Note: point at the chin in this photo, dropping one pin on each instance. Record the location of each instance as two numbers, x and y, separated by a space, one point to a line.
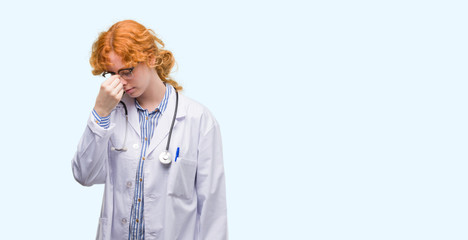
134 94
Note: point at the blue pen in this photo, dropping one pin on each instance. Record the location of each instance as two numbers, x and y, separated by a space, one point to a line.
176 154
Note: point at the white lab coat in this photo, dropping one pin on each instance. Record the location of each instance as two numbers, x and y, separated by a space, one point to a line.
183 200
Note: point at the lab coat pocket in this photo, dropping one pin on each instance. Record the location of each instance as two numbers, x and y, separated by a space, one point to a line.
181 180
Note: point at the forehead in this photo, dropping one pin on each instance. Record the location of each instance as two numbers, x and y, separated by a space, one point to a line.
116 61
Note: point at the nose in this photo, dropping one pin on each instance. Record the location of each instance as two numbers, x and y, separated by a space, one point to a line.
123 81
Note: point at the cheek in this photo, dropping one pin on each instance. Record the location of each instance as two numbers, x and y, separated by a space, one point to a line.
144 81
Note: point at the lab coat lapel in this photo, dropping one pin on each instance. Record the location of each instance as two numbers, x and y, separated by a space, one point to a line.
133 117
164 123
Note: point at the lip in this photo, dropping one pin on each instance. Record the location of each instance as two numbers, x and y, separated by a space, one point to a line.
130 90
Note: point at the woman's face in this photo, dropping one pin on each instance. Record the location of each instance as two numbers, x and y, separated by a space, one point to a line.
137 85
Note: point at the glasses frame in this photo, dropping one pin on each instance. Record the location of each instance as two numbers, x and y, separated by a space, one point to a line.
123 69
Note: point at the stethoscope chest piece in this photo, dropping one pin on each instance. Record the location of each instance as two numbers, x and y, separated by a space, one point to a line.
165 157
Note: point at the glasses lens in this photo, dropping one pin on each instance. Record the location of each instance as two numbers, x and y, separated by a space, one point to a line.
106 74
127 74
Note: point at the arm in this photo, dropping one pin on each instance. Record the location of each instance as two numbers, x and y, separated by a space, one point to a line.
211 187
90 160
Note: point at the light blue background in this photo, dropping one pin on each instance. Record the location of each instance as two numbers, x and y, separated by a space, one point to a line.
340 119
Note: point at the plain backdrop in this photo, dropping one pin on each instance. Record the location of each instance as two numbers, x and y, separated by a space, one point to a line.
340 119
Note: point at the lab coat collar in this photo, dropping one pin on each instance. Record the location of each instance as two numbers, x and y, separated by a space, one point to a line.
132 113
164 122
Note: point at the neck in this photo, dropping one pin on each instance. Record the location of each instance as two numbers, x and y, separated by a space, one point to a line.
153 95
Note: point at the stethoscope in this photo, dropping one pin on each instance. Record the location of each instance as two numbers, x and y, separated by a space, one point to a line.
165 156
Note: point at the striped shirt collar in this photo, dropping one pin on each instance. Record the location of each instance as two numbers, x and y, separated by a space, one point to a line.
162 105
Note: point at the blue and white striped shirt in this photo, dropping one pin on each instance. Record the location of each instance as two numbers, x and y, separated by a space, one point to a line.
148 123
101 121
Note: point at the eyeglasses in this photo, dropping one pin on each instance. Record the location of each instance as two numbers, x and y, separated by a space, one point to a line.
126 73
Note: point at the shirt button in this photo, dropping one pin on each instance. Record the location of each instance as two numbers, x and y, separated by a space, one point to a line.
143 158
97 121
141 179
124 220
139 200
129 184
146 139
146 118
137 220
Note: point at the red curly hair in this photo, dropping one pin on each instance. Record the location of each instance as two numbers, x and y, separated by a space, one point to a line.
133 43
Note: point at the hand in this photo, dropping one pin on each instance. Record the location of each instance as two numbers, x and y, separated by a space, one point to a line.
109 96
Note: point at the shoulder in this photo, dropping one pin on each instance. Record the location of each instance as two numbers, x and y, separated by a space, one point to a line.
196 111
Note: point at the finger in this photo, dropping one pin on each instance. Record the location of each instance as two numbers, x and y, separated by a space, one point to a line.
110 80
120 94
115 82
117 89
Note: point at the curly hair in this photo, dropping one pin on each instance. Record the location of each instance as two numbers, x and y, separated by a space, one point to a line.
133 43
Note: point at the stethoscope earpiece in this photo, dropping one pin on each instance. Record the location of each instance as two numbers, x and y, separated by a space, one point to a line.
123 149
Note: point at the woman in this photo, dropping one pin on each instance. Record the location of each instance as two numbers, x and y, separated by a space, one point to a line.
150 194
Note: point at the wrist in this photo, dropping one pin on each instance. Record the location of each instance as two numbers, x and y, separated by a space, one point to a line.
102 113
101 121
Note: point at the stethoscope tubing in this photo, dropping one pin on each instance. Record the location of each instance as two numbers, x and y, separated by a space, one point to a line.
164 157
173 120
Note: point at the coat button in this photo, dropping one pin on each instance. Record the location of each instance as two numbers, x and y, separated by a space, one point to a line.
129 184
124 220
